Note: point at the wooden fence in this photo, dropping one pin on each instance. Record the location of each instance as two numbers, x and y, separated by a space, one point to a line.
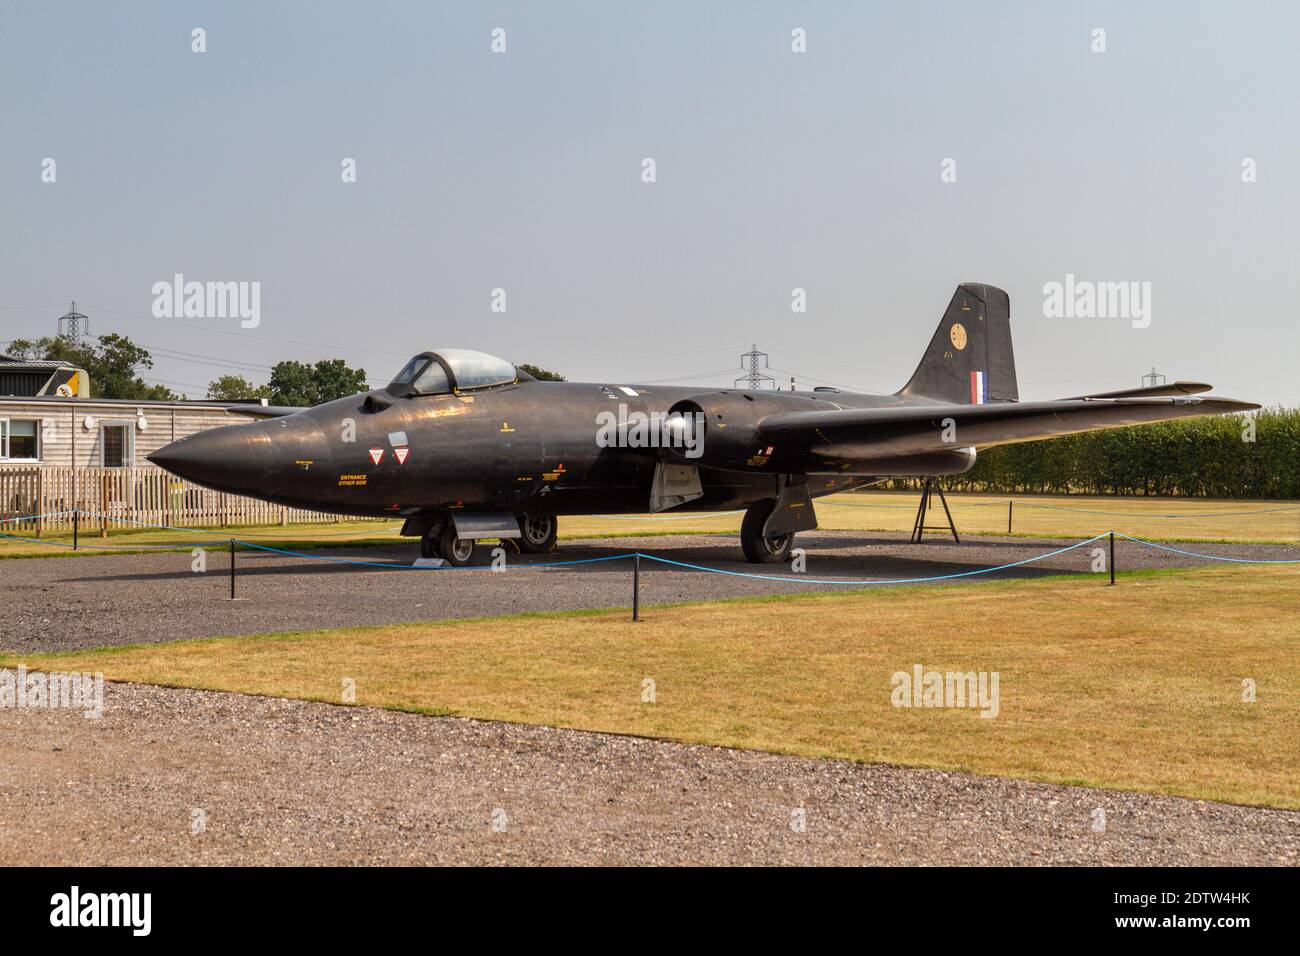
127 497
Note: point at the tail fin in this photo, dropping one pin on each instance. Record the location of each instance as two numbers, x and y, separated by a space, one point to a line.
969 361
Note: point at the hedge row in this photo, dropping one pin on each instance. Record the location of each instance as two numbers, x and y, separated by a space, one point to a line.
1204 457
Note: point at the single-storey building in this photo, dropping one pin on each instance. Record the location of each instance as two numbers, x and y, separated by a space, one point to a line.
62 451
102 432
58 455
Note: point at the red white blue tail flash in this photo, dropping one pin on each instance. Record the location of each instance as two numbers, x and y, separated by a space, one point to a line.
979 388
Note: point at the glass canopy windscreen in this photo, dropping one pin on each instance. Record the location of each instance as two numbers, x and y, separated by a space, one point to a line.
409 371
477 369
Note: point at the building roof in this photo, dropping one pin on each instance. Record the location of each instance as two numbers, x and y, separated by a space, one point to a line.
252 407
34 363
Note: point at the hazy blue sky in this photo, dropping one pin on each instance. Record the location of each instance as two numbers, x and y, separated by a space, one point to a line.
775 170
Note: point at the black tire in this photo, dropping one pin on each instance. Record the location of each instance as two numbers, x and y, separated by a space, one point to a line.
457 552
760 550
429 545
537 534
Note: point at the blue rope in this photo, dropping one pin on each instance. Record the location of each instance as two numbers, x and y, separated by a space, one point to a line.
414 567
1138 514
52 514
1208 557
177 546
681 517
168 527
787 579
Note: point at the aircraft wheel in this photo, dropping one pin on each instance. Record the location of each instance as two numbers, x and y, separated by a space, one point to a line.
758 549
537 534
455 551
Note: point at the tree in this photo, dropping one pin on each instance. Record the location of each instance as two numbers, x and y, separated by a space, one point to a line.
541 374
234 388
113 364
296 383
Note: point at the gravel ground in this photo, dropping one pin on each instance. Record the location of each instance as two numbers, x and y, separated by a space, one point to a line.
286 782
64 603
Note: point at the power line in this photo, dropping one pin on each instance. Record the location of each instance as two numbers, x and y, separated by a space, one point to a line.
171 323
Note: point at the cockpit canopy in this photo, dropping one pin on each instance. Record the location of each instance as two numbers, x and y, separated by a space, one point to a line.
446 370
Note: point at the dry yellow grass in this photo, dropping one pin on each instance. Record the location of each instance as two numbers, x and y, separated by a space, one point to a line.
1138 686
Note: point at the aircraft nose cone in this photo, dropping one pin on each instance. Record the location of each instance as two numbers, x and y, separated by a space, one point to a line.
232 458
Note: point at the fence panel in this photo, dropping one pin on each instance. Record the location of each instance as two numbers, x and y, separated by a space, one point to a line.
126 497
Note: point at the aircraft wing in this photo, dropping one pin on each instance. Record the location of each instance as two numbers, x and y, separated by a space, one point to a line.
863 434
258 411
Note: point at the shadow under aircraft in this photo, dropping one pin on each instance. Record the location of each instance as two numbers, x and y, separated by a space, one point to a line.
465 446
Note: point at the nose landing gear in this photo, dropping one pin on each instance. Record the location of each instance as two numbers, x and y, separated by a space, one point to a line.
443 543
536 534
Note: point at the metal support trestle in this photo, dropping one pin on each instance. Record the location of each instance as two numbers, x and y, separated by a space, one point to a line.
919 528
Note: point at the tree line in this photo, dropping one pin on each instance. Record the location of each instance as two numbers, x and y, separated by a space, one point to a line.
115 365
1220 456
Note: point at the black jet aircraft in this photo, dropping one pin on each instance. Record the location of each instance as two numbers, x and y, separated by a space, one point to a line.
465 446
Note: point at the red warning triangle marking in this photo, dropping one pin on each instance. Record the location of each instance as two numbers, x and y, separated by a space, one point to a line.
401 452
376 454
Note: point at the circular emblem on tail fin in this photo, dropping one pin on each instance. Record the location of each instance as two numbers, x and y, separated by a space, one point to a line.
958 336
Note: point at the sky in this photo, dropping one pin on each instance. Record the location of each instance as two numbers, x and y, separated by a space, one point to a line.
825 170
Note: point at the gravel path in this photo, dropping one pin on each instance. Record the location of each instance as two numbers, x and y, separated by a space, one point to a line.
67 603
284 782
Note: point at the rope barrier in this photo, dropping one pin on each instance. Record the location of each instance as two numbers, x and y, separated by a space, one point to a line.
681 517
637 555
168 527
391 566
786 579
1207 557
52 514
1138 514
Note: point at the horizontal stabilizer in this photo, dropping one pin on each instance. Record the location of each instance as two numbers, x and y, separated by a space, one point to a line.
1172 389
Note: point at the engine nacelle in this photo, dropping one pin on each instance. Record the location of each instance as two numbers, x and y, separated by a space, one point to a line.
724 426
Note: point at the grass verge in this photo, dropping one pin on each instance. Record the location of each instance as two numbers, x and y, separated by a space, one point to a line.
1139 686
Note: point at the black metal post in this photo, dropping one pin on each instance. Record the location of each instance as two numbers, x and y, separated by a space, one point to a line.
918 526
76 526
232 569
948 514
1009 504
636 586
1112 557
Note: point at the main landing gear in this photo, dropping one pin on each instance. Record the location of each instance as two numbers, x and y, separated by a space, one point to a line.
759 549
537 534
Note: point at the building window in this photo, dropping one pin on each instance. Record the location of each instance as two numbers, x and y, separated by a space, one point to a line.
19 439
115 446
